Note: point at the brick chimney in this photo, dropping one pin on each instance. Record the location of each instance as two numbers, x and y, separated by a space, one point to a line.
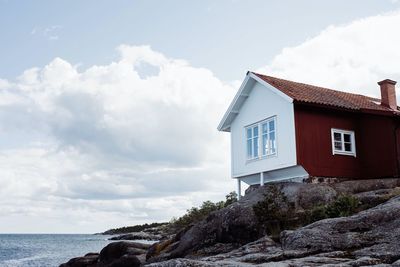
388 94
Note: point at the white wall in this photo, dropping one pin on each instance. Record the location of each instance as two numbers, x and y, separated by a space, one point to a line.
261 104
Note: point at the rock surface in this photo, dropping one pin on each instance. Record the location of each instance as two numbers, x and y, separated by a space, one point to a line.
373 232
358 186
311 261
117 254
89 259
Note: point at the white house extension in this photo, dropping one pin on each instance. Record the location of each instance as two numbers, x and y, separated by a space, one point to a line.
261 122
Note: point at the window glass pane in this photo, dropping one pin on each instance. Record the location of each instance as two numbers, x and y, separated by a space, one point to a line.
343 141
248 133
347 147
261 142
265 144
273 147
347 137
272 143
338 145
272 125
337 136
249 149
255 131
255 147
265 128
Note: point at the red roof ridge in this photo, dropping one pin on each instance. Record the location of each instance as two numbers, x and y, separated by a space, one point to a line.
316 86
307 93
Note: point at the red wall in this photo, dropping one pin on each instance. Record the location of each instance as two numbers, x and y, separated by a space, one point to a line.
375 143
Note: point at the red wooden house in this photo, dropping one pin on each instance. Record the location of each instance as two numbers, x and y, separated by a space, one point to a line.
282 130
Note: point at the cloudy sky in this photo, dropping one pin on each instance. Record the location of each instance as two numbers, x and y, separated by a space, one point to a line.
109 109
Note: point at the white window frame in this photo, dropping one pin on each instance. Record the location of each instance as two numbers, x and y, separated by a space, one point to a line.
251 139
260 139
352 142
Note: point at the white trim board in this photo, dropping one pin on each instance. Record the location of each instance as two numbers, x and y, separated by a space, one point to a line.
241 96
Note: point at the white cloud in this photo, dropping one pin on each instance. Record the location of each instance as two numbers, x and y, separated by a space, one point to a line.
110 145
50 33
350 57
105 146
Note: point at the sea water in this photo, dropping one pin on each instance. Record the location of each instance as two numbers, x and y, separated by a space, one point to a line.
45 250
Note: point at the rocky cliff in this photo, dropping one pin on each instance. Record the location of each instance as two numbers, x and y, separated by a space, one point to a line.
369 238
234 236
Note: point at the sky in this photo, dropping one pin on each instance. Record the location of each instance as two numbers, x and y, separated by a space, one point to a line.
109 109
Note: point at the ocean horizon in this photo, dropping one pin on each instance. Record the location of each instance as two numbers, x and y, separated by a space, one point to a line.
47 250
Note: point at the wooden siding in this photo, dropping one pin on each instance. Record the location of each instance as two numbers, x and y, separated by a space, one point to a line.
255 110
376 144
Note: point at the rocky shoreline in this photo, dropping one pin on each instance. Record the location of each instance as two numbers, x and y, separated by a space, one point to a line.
116 254
233 236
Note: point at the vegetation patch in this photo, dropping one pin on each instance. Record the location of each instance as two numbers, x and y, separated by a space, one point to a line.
344 205
197 214
275 213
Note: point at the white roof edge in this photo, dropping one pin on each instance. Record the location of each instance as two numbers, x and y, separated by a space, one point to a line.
230 108
226 128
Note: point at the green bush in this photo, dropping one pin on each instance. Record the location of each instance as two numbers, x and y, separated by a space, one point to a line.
274 206
274 213
343 206
317 213
195 214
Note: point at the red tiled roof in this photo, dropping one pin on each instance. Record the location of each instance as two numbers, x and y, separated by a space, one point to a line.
306 93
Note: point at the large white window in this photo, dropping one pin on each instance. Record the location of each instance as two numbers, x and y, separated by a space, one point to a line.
261 139
343 142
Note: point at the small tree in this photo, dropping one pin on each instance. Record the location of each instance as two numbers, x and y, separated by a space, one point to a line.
274 212
232 197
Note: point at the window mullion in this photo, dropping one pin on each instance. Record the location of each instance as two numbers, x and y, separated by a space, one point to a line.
253 143
342 141
345 139
268 143
260 140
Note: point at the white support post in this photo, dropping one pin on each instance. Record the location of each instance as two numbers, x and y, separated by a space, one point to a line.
239 189
261 178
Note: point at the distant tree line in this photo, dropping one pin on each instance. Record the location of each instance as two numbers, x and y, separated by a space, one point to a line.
133 229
